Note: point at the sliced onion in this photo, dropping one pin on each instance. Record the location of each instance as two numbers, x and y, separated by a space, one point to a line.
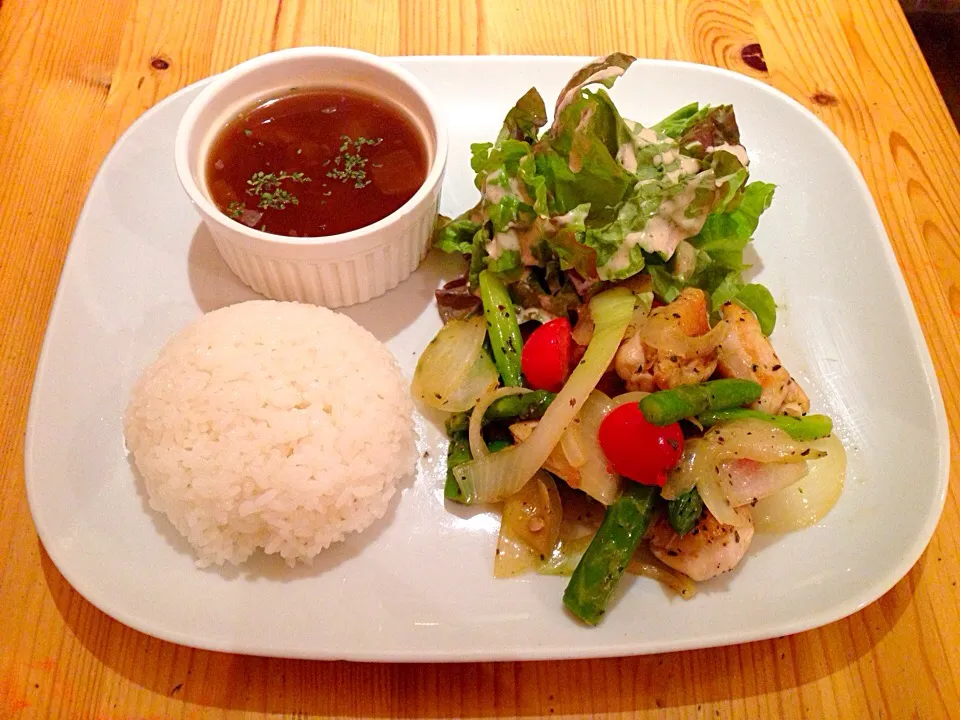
453 359
556 461
662 332
702 462
745 481
479 380
596 479
629 397
572 445
566 556
529 526
475 431
682 479
809 500
708 485
513 557
646 564
582 516
497 476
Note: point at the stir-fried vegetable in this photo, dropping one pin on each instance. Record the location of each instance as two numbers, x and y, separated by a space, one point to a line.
496 477
477 446
645 563
638 449
502 327
669 406
454 370
597 479
703 463
603 564
808 427
529 527
684 511
546 356
529 406
458 453
812 497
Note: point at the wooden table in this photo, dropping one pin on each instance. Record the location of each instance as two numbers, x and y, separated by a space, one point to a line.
75 74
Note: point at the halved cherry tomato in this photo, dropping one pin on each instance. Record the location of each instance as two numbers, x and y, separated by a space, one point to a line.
638 449
545 359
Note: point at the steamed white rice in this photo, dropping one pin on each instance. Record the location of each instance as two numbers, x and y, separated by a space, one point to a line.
273 425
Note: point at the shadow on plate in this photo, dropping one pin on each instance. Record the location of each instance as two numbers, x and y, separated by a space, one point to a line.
215 286
754 263
261 566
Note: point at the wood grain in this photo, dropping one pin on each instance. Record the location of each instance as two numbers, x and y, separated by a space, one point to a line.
74 75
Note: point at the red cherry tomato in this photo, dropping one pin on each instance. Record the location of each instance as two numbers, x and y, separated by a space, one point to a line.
545 359
638 449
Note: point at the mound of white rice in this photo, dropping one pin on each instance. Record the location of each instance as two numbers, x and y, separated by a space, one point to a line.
274 425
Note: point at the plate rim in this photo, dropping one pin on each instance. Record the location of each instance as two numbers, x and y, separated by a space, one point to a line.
838 611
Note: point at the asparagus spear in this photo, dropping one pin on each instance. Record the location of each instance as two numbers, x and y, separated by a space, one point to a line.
502 327
808 427
668 406
596 577
684 511
529 406
458 452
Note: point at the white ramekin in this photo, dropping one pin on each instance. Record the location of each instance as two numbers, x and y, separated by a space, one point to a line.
339 269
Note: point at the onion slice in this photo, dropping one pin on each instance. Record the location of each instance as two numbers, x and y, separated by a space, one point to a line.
596 479
454 371
475 430
529 527
811 498
662 332
497 476
702 462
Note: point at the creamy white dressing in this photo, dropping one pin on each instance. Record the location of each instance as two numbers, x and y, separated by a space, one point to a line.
667 156
627 156
607 72
495 190
673 177
689 165
662 232
738 151
501 242
647 136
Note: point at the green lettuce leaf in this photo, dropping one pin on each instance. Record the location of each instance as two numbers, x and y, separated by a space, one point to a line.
603 70
710 127
759 301
504 212
578 156
524 120
505 263
478 256
455 236
677 122
719 246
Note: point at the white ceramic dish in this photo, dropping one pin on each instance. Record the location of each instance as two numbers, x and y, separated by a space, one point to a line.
340 269
418 586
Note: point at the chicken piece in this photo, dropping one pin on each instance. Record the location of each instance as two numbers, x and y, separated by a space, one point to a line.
747 354
630 362
645 368
708 550
749 480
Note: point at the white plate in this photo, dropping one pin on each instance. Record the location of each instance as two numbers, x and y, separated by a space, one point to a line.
418 586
